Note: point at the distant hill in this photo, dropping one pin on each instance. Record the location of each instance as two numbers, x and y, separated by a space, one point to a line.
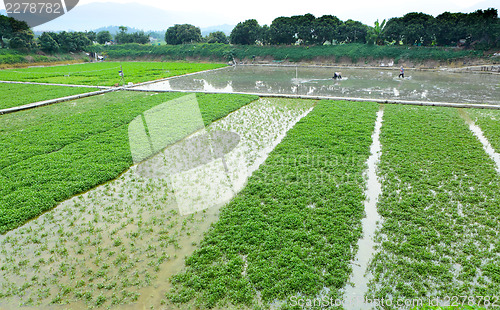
224 28
115 29
134 15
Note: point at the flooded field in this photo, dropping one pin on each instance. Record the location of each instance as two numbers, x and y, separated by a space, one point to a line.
118 244
355 83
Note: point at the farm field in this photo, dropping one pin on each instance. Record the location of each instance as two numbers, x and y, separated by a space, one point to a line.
295 226
118 244
104 73
439 208
52 153
277 216
14 95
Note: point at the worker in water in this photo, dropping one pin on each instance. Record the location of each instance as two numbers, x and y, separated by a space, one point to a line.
337 75
402 72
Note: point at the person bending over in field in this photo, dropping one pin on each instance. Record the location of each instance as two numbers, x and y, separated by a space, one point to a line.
337 76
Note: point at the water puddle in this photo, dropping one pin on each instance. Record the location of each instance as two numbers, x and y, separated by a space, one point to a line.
476 130
118 244
368 83
354 295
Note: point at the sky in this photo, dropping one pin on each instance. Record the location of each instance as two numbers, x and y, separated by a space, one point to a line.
265 11
204 13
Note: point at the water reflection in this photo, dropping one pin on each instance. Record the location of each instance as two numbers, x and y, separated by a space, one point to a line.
356 83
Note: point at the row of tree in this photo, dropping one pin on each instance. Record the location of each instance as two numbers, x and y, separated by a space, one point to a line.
480 28
18 33
477 28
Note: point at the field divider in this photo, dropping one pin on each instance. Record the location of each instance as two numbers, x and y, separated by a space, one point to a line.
105 89
478 132
173 77
52 84
58 100
291 96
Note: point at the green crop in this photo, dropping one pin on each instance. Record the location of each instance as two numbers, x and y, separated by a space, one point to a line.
439 208
489 121
104 73
14 95
295 226
48 157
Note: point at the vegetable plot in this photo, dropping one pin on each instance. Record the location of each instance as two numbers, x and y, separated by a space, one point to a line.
294 227
45 162
119 243
14 95
439 206
104 73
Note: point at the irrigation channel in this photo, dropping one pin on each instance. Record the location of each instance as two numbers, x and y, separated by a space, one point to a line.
476 130
356 83
117 235
360 277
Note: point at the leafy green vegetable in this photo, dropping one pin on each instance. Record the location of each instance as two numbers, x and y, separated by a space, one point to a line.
439 207
295 226
104 73
14 95
46 159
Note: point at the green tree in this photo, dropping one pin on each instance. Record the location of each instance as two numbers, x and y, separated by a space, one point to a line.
123 37
352 31
246 33
376 33
23 39
104 36
181 34
11 28
71 41
326 28
140 37
304 28
282 31
47 43
217 37
91 35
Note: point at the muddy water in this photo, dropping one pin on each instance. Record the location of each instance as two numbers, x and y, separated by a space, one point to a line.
356 83
354 294
476 130
118 244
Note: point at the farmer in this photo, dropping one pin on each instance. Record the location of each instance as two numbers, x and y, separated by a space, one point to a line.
337 75
402 72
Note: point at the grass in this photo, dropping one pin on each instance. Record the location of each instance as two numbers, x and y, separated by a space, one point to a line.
439 208
48 157
294 227
104 73
224 52
14 95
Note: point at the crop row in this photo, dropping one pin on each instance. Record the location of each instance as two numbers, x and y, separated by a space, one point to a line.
45 162
120 242
14 95
294 227
104 73
439 207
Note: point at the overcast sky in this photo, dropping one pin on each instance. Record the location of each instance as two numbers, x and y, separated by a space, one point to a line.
265 11
366 11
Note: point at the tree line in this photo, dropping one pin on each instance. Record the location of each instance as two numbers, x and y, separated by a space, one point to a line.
479 29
